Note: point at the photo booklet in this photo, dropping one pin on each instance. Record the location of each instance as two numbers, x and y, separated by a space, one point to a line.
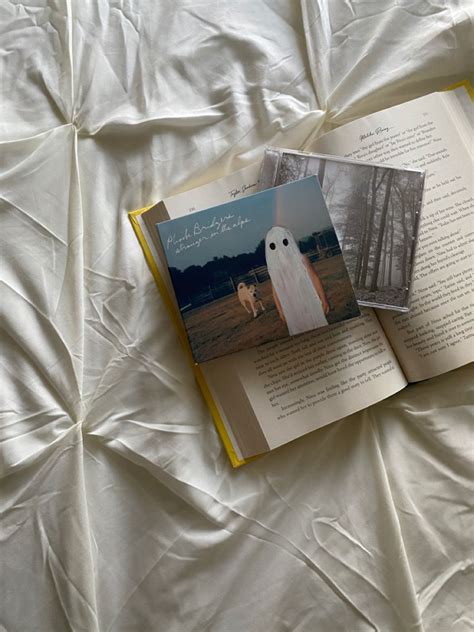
257 269
268 395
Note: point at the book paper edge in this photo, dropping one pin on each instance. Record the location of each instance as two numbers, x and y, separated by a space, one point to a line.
465 83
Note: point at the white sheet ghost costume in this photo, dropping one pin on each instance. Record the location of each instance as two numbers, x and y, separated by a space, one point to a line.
299 300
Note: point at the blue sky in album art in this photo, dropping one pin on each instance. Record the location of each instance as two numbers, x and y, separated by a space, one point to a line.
299 206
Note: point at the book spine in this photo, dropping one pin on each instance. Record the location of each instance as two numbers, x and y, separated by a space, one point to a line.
219 423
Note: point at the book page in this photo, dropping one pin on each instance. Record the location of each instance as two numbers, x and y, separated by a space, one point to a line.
431 133
299 384
236 185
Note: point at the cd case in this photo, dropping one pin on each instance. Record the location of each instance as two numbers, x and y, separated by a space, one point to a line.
375 210
254 270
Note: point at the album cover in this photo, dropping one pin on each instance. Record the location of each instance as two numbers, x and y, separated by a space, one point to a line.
257 269
376 213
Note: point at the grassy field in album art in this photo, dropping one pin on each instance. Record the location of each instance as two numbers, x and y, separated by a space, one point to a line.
223 326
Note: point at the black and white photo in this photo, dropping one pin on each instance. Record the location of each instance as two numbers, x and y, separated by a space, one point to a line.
375 211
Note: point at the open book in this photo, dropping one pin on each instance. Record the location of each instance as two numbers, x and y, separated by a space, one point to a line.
267 396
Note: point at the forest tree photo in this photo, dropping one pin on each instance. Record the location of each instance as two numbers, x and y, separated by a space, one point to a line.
375 211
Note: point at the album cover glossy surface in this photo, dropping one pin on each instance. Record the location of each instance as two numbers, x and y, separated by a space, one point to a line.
376 213
257 269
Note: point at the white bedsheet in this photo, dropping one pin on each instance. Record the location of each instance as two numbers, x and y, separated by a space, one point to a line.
119 509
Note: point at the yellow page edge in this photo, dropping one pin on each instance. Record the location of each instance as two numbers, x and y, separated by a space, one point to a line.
465 83
219 423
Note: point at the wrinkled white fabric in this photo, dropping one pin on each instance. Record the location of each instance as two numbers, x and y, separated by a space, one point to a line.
119 510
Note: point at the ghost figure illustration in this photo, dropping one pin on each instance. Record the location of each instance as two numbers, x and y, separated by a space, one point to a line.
299 296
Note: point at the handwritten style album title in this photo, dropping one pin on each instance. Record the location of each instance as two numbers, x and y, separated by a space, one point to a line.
201 232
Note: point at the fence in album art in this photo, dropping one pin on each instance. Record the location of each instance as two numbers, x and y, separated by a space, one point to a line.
326 246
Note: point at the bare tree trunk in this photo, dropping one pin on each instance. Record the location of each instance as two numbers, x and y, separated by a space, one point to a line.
362 240
370 227
306 167
383 218
384 259
403 266
321 171
405 242
358 266
409 257
368 233
390 263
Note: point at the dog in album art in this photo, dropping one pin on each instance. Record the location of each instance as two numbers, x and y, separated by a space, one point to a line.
297 290
248 295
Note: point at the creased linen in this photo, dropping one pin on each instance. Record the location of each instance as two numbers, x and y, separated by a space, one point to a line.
119 510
